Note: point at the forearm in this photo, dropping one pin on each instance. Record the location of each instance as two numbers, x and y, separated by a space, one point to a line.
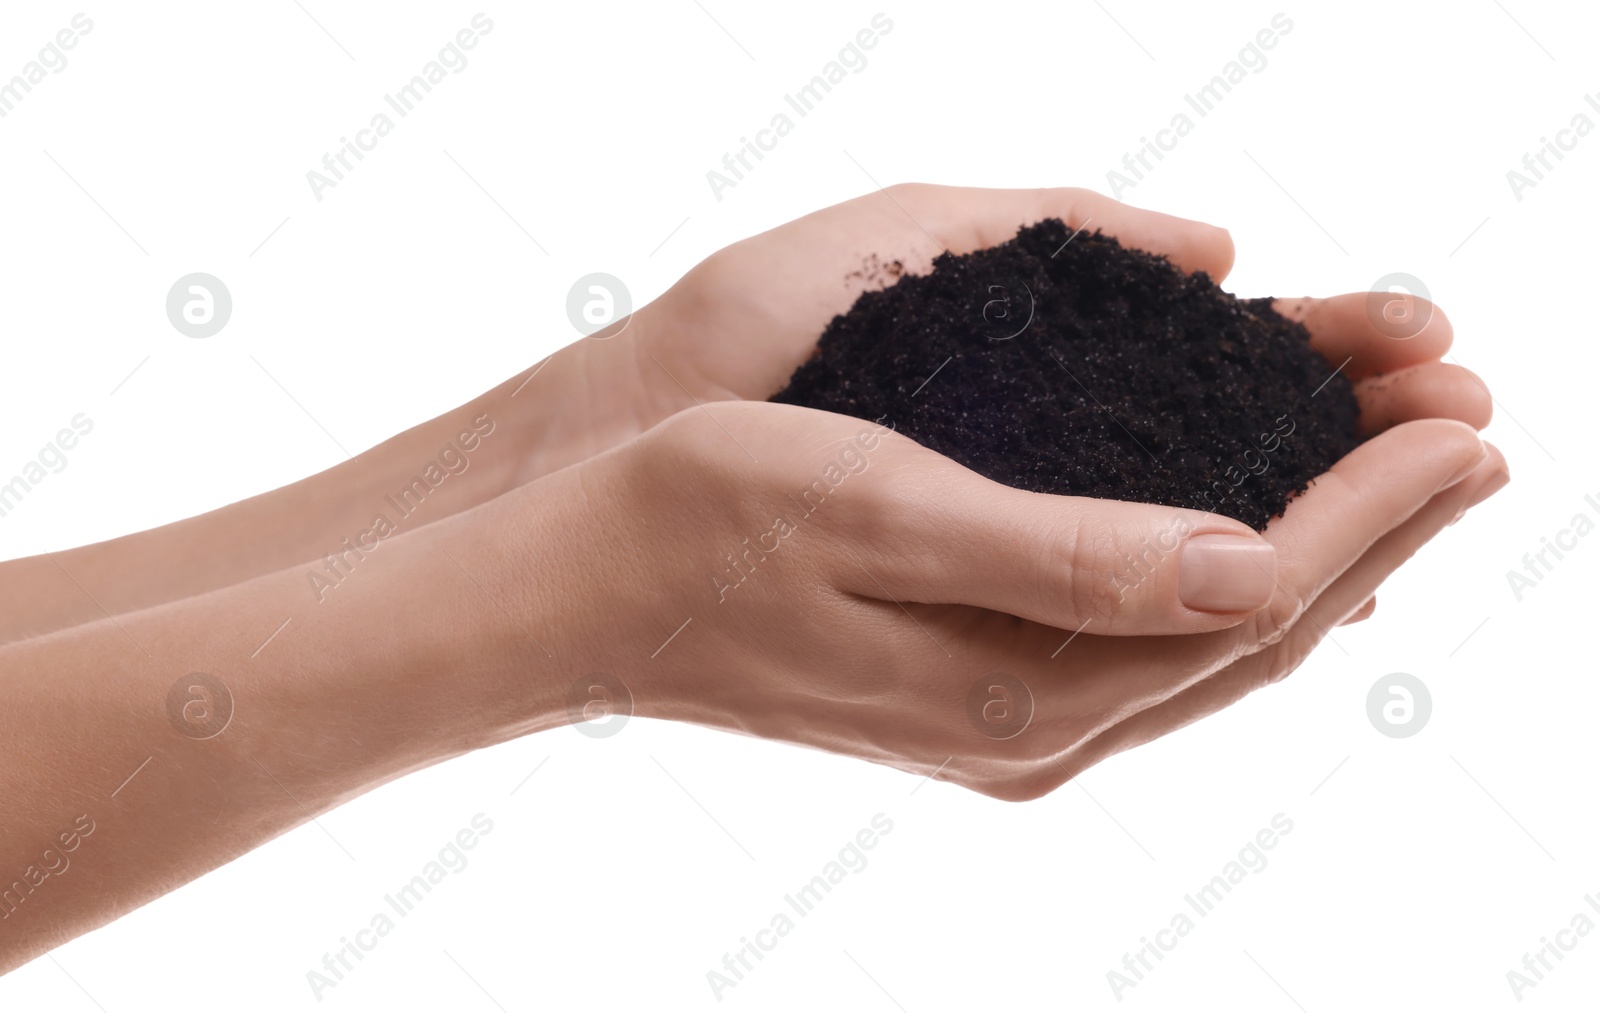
444 641
534 423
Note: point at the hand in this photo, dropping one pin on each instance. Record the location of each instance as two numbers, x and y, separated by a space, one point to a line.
739 323
839 586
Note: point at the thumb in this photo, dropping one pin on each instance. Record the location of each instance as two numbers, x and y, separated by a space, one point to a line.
1100 566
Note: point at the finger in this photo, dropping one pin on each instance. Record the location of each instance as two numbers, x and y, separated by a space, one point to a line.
1363 613
1439 390
1368 493
972 218
1341 603
950 536
1489 486
1343 596
1359 330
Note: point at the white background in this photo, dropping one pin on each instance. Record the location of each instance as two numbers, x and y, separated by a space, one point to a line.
1417 874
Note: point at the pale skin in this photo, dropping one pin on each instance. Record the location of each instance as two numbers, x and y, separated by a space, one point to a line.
598 518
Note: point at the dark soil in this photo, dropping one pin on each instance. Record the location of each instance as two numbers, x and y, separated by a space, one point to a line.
1068 364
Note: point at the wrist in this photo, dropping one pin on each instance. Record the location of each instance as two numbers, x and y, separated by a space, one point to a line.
582 576
581 400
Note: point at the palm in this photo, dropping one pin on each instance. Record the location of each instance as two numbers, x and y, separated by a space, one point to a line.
741 321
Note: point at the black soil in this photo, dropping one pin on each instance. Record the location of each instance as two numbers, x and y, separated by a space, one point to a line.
1067 364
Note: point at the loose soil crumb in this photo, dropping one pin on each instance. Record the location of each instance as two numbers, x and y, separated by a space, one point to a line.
875 272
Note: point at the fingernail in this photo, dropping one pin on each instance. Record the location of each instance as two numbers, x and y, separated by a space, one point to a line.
1227 573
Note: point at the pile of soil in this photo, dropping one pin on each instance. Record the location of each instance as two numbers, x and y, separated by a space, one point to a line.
1064 363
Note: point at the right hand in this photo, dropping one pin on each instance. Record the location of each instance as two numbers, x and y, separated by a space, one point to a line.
860 619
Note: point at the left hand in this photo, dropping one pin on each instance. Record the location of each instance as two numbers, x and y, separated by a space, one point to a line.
741 321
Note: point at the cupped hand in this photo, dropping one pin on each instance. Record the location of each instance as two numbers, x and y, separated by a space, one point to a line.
876 623
807 577
740 322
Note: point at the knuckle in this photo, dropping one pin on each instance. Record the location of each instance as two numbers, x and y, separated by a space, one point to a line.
1274 622
1089 560
875 506
884 508
1288 653
1079 201
910 196
684 457
675 444
902 189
